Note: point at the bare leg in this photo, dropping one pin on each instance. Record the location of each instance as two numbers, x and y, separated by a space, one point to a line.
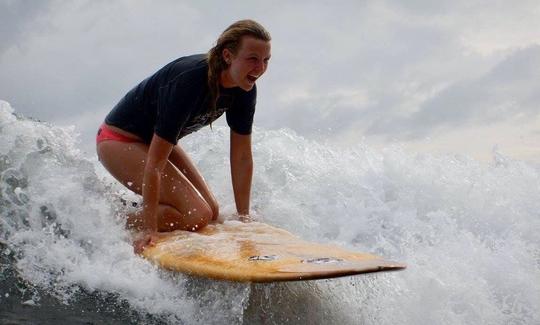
181 205
184 163
168 220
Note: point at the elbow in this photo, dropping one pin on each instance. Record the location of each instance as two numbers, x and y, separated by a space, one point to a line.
154 166
152 173
152 169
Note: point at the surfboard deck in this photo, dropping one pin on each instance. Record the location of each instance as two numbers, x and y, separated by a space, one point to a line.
257 252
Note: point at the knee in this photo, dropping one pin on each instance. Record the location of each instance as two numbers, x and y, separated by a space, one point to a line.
200 219
207 215
195 219
215 210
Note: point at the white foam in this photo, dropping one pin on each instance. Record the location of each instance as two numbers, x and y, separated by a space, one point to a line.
467 231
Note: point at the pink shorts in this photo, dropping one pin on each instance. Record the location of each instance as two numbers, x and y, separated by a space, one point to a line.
105 133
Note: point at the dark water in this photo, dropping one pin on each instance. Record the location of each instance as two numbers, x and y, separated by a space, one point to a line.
22 303
280 303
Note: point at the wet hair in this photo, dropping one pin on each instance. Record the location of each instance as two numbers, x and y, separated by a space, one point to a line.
230 39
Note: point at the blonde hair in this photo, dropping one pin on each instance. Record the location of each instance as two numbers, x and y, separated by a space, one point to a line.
230 39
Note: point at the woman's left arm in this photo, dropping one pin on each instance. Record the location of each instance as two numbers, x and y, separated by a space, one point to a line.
241 170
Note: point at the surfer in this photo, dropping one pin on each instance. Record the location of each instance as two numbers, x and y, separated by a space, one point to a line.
137 143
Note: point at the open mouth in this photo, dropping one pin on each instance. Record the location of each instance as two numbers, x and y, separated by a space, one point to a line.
251 78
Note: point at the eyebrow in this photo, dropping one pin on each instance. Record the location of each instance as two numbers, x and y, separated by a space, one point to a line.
253 53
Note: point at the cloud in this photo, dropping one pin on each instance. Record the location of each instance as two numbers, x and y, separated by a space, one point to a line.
88 54
370 68
510 91
17 17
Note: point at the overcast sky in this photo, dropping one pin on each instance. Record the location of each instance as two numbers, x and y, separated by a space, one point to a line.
442 76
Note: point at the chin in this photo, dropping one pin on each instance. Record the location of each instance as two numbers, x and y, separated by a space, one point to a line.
247 87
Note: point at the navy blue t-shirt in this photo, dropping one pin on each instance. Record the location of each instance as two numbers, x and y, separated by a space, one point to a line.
175 102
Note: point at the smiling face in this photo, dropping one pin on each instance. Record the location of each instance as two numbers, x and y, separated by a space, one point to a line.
246 66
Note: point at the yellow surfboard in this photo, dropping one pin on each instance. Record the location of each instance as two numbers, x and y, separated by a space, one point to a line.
257 252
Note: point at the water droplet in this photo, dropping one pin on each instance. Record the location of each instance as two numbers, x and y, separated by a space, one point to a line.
29 302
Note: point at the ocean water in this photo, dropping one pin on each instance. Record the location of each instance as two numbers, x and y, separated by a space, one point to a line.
467 230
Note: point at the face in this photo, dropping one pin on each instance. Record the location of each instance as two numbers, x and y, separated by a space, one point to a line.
247 65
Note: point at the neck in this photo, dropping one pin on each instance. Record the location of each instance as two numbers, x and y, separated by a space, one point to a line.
225 80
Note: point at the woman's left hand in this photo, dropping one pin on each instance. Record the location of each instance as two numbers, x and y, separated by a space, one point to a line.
244 218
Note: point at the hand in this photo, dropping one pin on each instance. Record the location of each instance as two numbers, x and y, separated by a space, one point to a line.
252 216
144 240
244 218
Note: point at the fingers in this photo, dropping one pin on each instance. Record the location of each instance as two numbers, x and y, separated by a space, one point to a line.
244 218
138 248
147 240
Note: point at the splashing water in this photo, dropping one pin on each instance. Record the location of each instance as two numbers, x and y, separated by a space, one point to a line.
467 231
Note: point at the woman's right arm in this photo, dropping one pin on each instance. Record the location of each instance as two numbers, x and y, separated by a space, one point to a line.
156 160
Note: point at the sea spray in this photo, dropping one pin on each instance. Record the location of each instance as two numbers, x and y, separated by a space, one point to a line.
467 230
64 226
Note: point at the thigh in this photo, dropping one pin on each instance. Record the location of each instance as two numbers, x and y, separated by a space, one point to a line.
183 162
126 162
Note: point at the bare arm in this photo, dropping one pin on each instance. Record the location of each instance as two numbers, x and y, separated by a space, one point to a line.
155 163
241 170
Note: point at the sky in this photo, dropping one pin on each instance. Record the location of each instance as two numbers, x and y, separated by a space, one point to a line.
454 77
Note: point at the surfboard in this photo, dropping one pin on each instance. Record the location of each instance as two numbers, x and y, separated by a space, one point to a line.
258 252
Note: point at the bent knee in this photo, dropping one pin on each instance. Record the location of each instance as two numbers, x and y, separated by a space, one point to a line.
200 219
215 210
207 215
172 219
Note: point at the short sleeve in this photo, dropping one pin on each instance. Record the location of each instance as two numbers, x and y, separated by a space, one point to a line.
240 115
172 110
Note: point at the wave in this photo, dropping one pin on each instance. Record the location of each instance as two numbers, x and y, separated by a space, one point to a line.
468 232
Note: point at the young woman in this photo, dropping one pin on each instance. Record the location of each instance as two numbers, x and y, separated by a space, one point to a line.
137 143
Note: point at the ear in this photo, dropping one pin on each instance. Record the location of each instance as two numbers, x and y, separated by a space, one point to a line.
227 56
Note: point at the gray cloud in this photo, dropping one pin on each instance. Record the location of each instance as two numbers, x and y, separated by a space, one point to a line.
17 19
510 91
387 68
